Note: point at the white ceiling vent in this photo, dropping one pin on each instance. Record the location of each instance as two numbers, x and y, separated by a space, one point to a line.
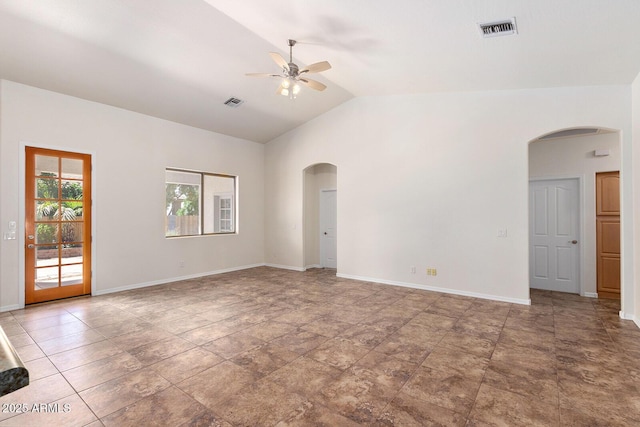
233 102
505 27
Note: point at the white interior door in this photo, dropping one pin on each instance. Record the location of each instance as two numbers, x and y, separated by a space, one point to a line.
328 229
554 235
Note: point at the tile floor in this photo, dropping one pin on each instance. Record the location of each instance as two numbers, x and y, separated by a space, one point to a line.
267 347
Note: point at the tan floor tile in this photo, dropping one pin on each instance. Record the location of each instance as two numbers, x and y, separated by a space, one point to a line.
218 384
314 414
263 403
468 343
367 335
69 342
154 352
326 326
270 330
137 339
443 387
596 401
410 357
20 340
541 341
538 383
466 364
85 354
407 411
338 352
206 334
304 375
69 411
101 371
51 332
411 343
496 407
40 368
182 325
233 344
356 397
265 358
59 319
187 364
300 341
118 393
123 327
169 407
483 328
30 352
44 390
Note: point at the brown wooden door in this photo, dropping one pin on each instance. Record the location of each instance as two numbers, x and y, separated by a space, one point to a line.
608 234
57 225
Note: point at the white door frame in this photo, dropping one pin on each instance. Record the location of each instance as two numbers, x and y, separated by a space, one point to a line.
321 223
581 230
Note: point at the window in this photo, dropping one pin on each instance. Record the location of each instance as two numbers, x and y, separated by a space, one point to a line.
199 203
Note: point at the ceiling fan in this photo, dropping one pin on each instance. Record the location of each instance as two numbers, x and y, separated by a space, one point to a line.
292 76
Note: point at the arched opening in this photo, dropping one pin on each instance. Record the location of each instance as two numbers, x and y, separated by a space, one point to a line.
320 216
565 226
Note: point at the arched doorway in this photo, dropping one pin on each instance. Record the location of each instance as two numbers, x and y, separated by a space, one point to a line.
563 167
320 216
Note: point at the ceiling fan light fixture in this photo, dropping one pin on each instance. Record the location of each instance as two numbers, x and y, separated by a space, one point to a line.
291 76
289 87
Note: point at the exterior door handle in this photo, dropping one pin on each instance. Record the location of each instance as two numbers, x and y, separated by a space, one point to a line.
31 246
30 237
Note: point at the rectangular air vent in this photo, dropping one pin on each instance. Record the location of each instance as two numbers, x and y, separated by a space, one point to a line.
233 102
498 28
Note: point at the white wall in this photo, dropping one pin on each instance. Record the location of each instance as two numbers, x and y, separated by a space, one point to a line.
130 153
636 201
573 157
427 180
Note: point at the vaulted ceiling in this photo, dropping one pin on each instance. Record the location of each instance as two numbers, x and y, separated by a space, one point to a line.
180 60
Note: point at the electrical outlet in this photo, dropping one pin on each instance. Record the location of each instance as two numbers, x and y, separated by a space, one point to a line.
412 269
181 264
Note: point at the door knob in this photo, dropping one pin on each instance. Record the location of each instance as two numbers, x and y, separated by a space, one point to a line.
325 233
30 237
31 246
573 242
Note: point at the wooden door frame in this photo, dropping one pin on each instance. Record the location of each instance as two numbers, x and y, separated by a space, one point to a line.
581 229
22 170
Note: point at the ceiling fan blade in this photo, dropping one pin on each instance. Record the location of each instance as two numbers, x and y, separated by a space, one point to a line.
317 67
278 59
313 84
262 75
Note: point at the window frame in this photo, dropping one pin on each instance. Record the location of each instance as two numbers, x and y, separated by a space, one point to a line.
233 196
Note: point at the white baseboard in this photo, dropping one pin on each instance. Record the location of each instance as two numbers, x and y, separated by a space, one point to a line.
437 289
98 292
285 267
626 316
10 308
590 294
307 267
